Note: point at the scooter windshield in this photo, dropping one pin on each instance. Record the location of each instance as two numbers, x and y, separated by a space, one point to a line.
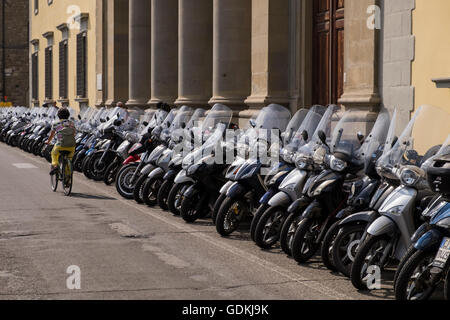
348 135
376 138
426 131
273 116
218 114
330 114
305 132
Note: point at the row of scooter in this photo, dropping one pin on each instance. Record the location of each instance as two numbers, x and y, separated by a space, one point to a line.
368 197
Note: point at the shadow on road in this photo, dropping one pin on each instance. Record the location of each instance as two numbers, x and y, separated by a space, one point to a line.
90 197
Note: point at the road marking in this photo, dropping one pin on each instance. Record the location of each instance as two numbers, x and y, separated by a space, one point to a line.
24 166
272 267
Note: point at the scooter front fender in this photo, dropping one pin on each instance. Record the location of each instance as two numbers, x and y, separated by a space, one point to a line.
170 175
364 217
281 199
156 173
383 225
298 204
147 169
191 191
183 178
236 190
267 196
430 239
225 187
312 211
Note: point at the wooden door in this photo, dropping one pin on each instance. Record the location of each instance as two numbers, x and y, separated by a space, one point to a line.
328 51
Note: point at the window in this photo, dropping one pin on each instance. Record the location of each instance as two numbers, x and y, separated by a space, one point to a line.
81 65
34 77
49 73
63 70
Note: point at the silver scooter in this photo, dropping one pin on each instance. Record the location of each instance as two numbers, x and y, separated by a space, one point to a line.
389 236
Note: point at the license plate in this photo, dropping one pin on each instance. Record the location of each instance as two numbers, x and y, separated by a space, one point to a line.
443 254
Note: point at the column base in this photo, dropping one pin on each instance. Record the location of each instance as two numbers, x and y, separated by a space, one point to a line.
154 101
191 102
357 99
262 101
137 103
230 102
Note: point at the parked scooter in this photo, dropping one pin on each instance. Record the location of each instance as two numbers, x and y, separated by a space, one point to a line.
183 143
205 167
352 228
242 198
389 236
349 150
268 225
428 263
134 166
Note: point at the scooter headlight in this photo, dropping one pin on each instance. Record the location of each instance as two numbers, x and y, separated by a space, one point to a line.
410 176
319 156
396 210
444 223
337 164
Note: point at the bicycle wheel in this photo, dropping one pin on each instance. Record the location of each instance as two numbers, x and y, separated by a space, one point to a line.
67 177
54 181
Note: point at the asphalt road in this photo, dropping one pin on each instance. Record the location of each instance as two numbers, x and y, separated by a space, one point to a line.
128 251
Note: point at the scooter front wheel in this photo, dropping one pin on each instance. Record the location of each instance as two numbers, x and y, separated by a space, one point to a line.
304 244
192 208
150 191
258 214
163 194
267 232
230 215
369 254
415 279
124 183
326 250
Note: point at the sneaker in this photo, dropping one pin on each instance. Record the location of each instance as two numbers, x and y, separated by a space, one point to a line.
53 171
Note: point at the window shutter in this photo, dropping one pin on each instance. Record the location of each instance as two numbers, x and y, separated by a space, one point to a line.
34 76
48 73
63 74
81 65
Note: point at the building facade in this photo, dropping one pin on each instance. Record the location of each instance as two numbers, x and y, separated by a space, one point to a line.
242 53
14 81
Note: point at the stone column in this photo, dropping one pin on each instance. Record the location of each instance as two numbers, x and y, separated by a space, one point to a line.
270 53
164 51
195 44
232 52
361 56
140 52
117 56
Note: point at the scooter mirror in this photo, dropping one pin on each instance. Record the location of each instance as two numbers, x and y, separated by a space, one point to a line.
361 137
394 141
322 137
305 135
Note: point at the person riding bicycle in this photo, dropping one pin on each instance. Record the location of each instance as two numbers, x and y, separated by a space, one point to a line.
65 132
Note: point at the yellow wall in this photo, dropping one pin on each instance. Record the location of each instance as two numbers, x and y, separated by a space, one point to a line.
47 19
431 27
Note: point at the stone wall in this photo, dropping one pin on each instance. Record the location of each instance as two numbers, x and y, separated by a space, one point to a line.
397 54
16 51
